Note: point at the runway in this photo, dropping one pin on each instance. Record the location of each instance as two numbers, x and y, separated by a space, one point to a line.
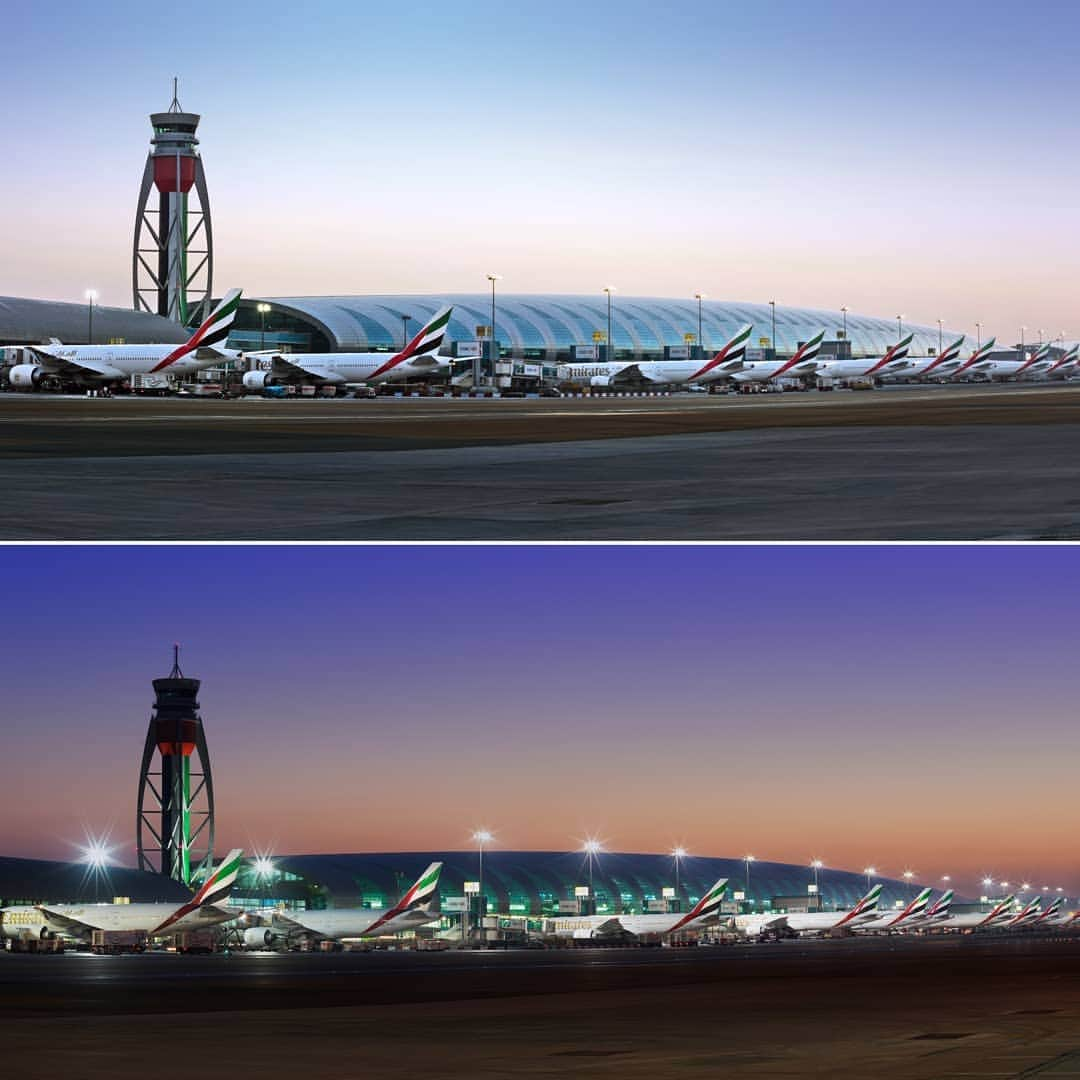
957 1006
922 463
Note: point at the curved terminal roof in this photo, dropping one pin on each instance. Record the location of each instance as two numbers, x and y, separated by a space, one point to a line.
44 881
528 324
532 882
34 322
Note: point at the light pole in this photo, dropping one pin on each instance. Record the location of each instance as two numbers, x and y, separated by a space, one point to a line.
592 848
481 836
91 295
869 872
908 875
899 327
939 322
978 335
816 866
609 289
699 296
772 338
262 309
677 854
843 311
405 320
748 859
1022 329
494 347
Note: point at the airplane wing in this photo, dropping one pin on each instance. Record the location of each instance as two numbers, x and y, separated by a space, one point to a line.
65 923
286 922
608 927
293 365
64 364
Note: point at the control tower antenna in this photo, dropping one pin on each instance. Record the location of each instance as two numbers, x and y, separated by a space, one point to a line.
172 262
175 811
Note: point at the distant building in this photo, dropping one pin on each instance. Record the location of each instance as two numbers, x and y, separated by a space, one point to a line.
553 328
35 322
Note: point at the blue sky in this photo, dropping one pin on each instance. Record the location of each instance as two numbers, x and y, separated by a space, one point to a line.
914 158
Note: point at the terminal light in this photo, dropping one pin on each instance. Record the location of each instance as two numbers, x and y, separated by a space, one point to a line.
482 836
96 854
264 866
592 847
988 882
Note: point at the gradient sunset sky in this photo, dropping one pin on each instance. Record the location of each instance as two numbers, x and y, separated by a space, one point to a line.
915 158
900 707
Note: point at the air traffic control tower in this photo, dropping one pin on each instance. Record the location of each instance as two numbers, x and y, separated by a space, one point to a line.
175 824
172 265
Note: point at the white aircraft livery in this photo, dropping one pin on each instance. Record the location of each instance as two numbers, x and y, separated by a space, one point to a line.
802 363
667 372
810 922
419 359
206 908
583 927
412 910
110 363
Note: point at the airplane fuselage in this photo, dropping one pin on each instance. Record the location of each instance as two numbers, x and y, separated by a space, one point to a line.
27 920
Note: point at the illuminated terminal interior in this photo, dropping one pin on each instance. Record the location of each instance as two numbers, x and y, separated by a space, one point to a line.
537 882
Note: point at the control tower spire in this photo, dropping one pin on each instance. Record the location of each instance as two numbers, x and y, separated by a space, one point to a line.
175 814
172 264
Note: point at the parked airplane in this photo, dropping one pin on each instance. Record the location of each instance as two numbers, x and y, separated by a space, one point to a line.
810 922
1052 915
868 367
1027 914
980 365
938 911
412 910
419 359
96 364
898 920
937 367
802 363
1057 370
206 908
668 372
614 926
976 920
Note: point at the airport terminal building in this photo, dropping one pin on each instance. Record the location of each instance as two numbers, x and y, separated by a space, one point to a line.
551 329
538 883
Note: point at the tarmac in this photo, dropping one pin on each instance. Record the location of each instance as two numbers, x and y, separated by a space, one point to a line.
905 1008
953 463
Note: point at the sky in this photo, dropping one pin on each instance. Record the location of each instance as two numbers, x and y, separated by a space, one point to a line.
901 707
915 158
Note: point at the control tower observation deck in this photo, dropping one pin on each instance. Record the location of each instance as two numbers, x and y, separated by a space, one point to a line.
173 254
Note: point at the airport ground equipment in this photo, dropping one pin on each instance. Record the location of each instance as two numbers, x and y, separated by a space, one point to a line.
172 262
175 814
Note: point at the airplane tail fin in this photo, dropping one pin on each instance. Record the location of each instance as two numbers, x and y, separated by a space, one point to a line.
866 906
416 898
213 891
939 909
708 905
423 889
425 345
214 330
919 905
730 356
219 884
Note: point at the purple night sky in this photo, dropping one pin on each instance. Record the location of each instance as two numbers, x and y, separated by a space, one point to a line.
903 706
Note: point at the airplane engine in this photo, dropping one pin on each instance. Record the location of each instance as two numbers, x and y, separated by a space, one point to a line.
256 380
26 375
260 937
600 380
